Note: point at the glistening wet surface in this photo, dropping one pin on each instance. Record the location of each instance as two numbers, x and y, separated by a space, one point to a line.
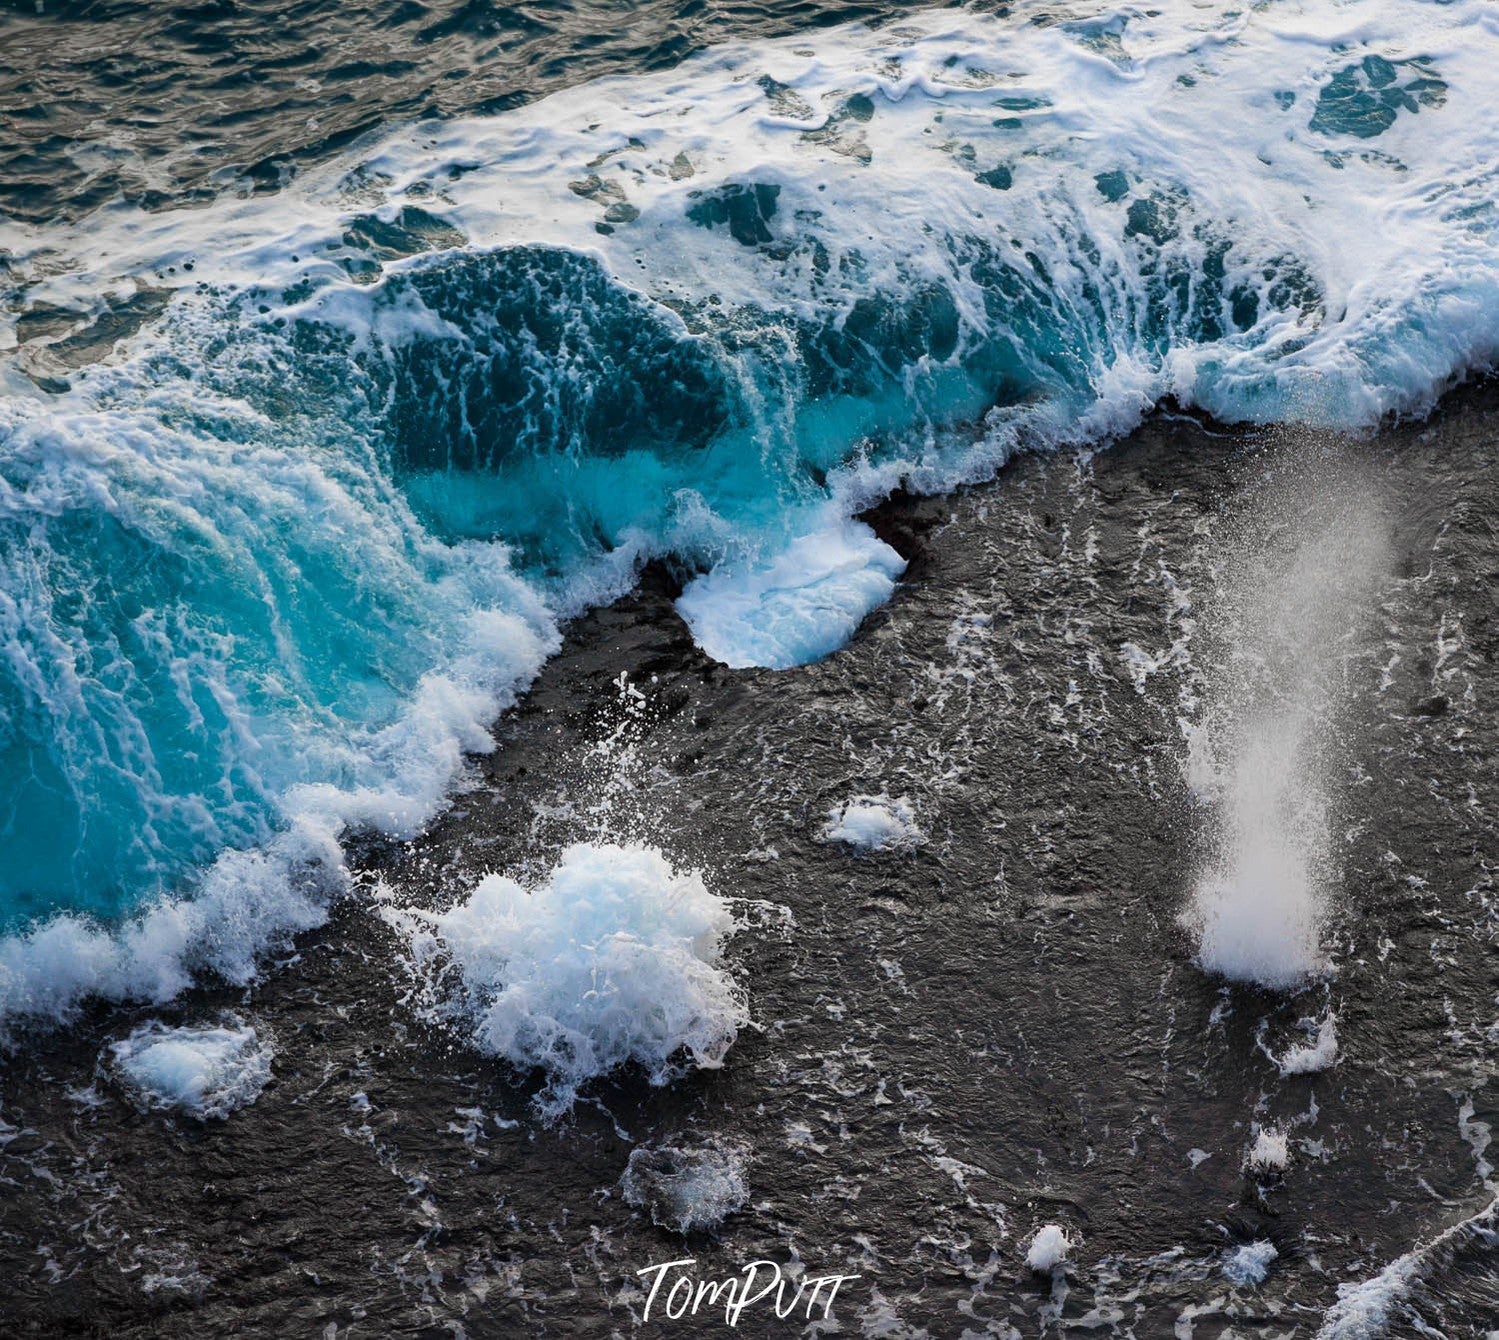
171 105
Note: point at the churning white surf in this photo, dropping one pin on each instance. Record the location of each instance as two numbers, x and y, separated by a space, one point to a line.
204 1070
279 560
615 958
1358 139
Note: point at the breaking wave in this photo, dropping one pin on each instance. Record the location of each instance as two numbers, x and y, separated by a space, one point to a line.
296 489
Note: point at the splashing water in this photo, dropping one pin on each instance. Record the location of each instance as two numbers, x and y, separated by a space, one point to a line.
615 958
1294 582
205 1070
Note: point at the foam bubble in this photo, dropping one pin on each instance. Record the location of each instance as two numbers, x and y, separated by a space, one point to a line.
204 1070
615 958
1049 1248
1310 1058
691 1189
1270 1153
874 823
795 605
1249 1262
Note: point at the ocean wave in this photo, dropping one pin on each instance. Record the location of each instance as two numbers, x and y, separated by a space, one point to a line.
274 562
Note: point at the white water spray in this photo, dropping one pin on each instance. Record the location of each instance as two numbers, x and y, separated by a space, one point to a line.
1294 581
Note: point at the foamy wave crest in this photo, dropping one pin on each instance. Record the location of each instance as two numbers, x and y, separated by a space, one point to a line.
221 651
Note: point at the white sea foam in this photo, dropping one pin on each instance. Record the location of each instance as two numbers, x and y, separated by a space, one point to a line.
1214 102
1365 1310
1249 1262
248 902
616 957
1310 1058
796 604
1049 1248
258 721
1269 1153
874 823
204 1070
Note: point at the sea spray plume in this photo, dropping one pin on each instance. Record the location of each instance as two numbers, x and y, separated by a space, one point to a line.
1295 576
615 766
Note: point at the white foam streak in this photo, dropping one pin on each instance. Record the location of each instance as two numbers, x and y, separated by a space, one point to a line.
1366 1310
